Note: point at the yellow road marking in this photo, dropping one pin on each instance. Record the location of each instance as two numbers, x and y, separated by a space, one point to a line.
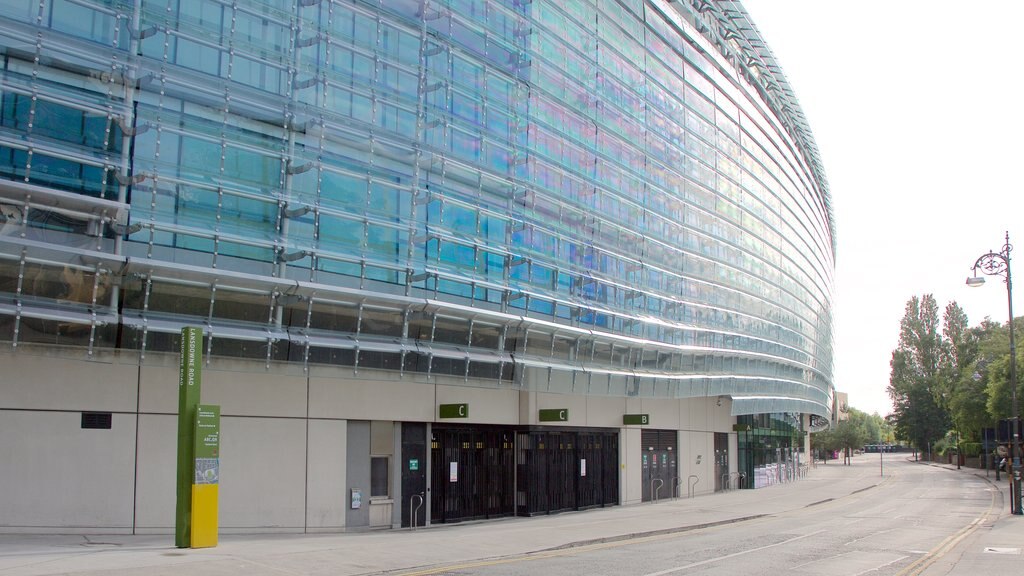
947 545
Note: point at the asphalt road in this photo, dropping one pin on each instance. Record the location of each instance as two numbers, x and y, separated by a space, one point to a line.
911 524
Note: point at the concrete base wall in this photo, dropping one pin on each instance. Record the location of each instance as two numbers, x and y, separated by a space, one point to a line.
286 437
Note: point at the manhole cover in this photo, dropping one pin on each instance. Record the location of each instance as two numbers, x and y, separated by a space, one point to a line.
991 550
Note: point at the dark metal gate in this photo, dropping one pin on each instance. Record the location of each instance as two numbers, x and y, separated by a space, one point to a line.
658 470
566 470
721 461
472 473
414 473
598 454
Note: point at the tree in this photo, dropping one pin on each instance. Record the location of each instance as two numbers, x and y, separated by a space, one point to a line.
915 379
872 430
971 398
959 346
958 349
998 387
846 436
851 434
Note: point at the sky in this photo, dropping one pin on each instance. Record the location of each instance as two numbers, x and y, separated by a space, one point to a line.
915 107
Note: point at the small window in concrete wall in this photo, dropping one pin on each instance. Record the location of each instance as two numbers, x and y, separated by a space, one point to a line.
380 469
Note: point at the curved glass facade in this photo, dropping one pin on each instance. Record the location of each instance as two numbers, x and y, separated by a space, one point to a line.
611 197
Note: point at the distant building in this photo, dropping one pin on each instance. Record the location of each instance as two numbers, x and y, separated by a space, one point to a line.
513 256
842 408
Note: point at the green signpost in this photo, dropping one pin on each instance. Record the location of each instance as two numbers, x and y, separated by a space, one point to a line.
206 478
189 384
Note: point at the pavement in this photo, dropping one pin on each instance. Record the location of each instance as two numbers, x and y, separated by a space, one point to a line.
372 552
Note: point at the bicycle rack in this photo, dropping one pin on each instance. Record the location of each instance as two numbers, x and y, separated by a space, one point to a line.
414 509
676 481
729 477
689 486
654 491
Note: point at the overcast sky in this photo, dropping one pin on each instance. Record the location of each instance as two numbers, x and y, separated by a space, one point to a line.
916 109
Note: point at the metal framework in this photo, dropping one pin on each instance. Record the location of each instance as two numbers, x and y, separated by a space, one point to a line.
166 223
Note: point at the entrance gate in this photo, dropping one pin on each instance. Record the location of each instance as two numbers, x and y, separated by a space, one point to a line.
414 473
566 470
721 461
658 470
472 473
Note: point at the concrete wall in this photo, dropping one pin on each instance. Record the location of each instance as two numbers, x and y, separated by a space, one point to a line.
357 473
293 443
700 419
326 496
56 475
630 483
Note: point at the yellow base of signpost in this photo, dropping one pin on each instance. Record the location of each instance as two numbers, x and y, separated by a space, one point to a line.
204 515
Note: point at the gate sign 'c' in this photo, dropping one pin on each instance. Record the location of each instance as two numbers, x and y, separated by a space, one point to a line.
453 411
554 415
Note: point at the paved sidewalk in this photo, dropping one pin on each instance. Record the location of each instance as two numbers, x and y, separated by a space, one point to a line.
371 552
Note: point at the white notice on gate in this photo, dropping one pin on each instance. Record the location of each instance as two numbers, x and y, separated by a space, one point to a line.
583 467
453 471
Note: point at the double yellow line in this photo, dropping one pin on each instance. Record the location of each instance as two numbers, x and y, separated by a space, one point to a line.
924 562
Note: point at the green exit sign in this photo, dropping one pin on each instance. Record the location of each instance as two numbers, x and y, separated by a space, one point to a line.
554 415
453 411
636 419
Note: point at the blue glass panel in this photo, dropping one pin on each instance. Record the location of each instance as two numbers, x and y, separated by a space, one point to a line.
200 158
339 189
197 56
341 234
382 243
21 10
81 21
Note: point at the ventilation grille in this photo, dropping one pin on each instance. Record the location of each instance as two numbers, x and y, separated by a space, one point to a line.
96 420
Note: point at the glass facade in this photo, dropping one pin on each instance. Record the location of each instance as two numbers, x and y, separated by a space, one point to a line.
769 449
595 197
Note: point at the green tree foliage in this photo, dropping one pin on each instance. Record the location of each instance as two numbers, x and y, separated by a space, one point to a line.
958 351
970 405
852 434
959 378
997 386
871 425
959 345
915 380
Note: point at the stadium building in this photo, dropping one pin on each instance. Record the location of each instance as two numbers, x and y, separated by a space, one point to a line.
512 257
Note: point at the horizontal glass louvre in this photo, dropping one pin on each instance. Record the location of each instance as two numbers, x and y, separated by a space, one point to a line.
589 167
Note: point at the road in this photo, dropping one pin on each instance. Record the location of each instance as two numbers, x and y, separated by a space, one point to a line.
913 523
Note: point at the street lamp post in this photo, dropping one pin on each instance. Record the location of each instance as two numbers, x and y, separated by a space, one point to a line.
998 264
